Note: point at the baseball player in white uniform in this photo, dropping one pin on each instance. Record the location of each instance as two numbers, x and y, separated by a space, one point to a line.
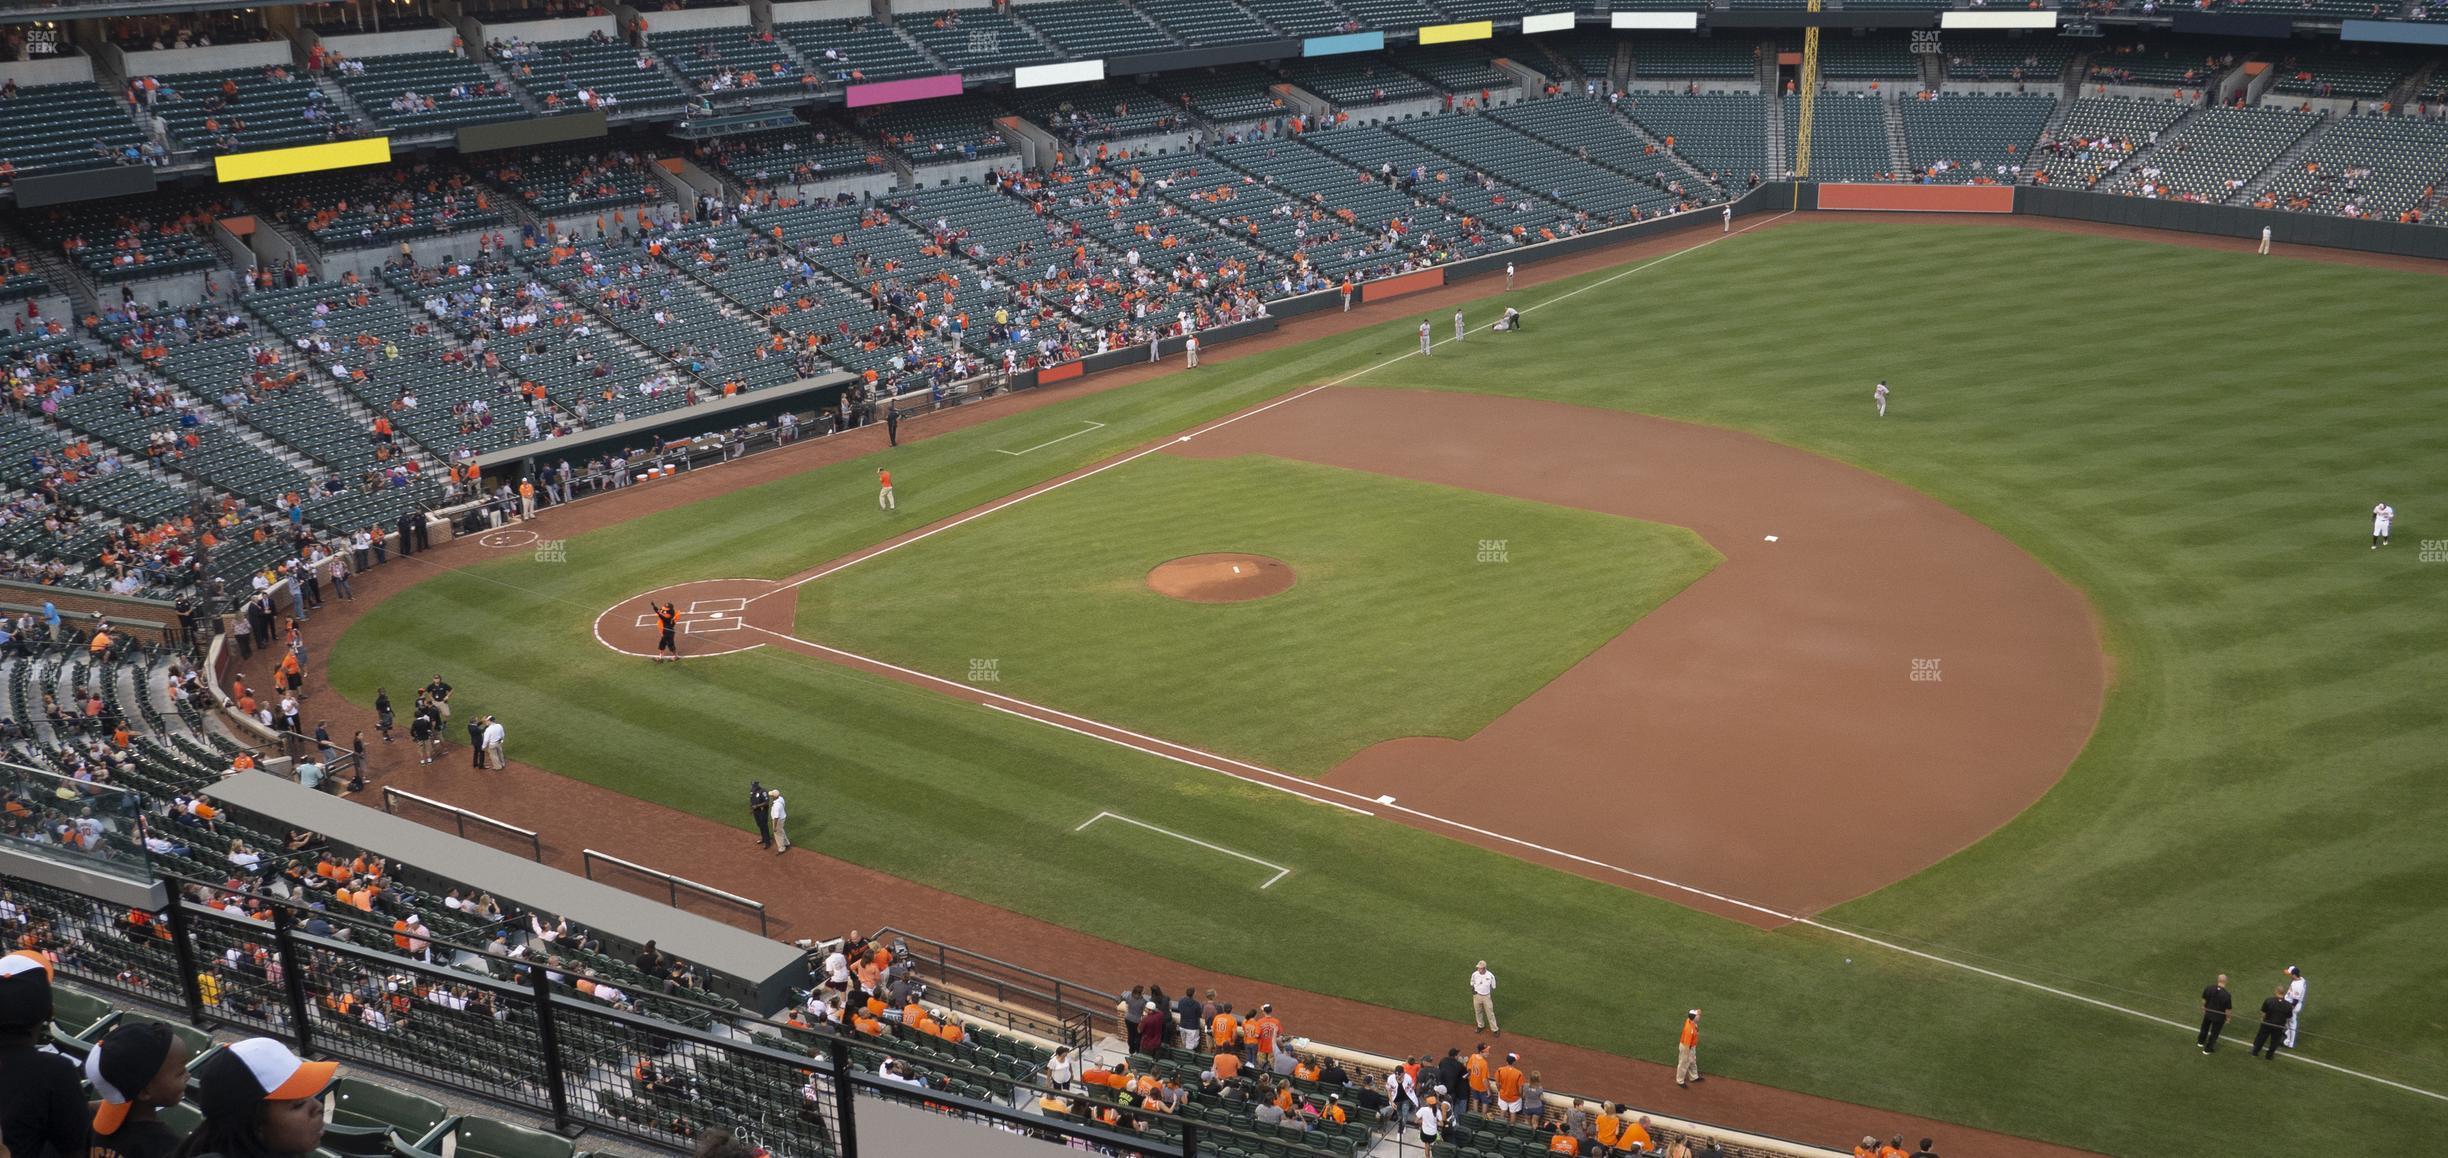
1881 395
2382 515
1457 325
1729 220
1508 275
1424 352
2295 997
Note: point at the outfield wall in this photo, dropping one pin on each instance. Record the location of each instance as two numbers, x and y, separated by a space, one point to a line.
2236 221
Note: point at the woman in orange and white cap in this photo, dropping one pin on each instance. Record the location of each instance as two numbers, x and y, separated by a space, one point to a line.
259 1101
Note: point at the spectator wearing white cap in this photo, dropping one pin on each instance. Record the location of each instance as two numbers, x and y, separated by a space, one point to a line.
138 1070
259 1098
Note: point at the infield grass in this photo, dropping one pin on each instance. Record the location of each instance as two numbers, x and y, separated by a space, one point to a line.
2194 438
1395 626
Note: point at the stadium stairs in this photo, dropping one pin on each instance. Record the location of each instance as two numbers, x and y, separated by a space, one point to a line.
2286 162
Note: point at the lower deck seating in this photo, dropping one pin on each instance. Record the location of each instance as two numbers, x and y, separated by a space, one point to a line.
1848 137
1971 138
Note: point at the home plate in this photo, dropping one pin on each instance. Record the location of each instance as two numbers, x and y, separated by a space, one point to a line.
1772 538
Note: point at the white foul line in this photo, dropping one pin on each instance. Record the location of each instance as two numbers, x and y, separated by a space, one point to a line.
1660 882
1280 871
1221 423
1051 441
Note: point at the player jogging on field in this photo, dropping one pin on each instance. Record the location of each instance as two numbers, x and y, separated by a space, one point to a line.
1729 220
667 617
1881 395
1424 338
1457 325
884 495
2382 515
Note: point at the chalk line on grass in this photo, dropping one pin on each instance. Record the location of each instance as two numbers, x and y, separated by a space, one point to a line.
1228 420
1280 871
1086 429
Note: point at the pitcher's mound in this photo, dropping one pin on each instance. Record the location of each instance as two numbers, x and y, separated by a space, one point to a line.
1227 578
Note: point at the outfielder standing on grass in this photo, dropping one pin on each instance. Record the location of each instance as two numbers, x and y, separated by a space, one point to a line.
1424 338
667 617
884 495
1881 395
1457 325
2382 515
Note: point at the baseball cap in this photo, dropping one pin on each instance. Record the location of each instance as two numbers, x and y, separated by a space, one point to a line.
121 1067
258 1069
25 989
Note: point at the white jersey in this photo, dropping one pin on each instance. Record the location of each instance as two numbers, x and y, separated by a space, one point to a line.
2382 515
2295 995
1880 393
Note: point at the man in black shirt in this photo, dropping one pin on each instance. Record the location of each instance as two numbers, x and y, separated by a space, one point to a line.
2216 1002
760 803
42 1103
2276 1011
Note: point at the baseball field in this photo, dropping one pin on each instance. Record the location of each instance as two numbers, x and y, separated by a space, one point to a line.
1943 757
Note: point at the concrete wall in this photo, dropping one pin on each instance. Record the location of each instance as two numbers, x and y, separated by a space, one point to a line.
218 58
795 11
686 20
181 289
954 173
368 45
52 70
544 31
1397 111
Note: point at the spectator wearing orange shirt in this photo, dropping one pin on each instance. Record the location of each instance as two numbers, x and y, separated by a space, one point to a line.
1509 1087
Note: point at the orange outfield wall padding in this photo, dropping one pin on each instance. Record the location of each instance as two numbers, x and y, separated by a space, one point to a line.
1919 198
1058 373
1409 283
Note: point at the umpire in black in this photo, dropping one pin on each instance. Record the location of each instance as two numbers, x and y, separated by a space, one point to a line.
2276 1011
760 803
2216 1003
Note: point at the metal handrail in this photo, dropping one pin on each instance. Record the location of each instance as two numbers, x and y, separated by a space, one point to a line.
674 882
535 843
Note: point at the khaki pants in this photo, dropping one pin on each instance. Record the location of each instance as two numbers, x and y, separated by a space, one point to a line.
1687 1064
781 835
1483 1011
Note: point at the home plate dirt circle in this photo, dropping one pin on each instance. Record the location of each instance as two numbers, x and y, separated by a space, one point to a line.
715 617
1221 578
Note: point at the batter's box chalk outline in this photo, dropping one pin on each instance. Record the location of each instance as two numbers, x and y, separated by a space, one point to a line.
1280 871
717 606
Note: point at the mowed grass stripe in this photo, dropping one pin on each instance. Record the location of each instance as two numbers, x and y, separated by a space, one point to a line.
1394 626
2222 819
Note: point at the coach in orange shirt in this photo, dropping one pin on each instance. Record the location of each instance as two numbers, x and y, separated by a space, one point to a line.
1687 1052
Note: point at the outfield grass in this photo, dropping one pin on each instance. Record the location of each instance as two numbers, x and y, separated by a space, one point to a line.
2263 788
1394 628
